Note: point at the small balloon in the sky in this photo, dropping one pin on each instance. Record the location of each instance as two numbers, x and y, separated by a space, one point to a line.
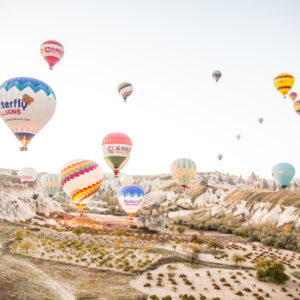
293 96
260 120
81 179
27 175
283 174
238 136
50 183
297 106
52 52
131 198
125 89
220 156
216 75
26 105
283 83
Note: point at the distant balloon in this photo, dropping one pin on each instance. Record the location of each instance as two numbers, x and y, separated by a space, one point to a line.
293 96
283 173
125 89
238 136
27 175
50 183
26 105
297 106
220 156
131 198
126 180
260 120
52 52
81 179
283 83
216 75
116 150
183 170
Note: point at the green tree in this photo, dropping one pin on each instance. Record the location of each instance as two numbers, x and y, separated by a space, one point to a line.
180 229
214 245
26 245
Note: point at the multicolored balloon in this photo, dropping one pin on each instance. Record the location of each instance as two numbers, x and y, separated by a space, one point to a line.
183 170
216 75
52 52
81 179
283 83
116 150
26 105
220 156
27 174
126 180
238 136
293 96
131 198
297 106
260 120
283 174
125 89
50 183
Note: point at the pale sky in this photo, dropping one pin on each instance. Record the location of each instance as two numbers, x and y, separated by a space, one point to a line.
168 51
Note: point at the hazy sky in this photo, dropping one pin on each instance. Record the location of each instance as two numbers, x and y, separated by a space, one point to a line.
168 51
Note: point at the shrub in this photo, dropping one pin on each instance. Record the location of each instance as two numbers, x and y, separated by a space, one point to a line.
270 271
239 293
237 258
214 245
202 297
78 230
154 297
147 285
180 229
186 297
196 239
166 298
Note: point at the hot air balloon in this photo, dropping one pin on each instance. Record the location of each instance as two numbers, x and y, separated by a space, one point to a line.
220 156
283 173
116 149
216 75
297 106
26 105
283 83
260 120
52 52
126 180
27 175
293 96
238 136
131 198
50 183
183 170
81 179
125 89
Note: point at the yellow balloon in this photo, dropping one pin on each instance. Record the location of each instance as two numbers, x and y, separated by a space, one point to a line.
183 170
283 83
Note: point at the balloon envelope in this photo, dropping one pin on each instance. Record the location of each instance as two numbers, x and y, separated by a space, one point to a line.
26 105
81 179
297 106
183 170
116 150
293 96
260 120
125 89
50 183
238 136
27 174
52 52
126 180
216 75
283 173
131 198
283 82
220 156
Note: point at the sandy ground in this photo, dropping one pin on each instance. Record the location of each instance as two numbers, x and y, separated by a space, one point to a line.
212 282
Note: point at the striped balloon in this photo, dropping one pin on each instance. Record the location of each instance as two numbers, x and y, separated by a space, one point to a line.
297 106
125 89
293 96
116 150
50 183
126 180
183 170
52 52
131 198
283 83
283 173
81 179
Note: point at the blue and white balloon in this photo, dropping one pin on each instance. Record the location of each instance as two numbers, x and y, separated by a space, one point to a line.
283 174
